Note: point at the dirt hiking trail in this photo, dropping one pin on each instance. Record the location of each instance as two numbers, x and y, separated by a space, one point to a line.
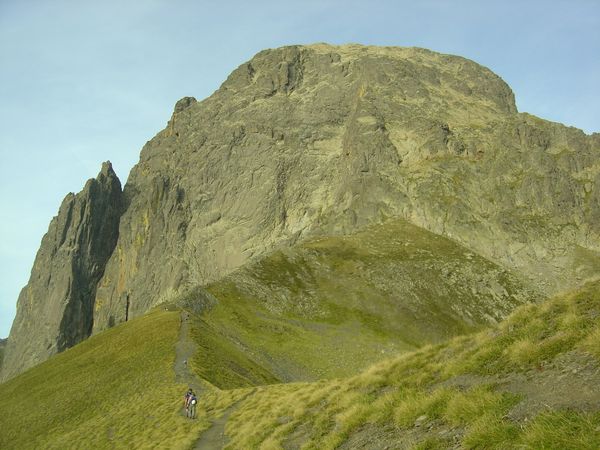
214 438
184 350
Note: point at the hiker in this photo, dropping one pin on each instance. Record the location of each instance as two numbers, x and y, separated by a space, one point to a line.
192 405
186 401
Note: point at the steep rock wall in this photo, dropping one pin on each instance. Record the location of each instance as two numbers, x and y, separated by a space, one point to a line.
323 139
55 309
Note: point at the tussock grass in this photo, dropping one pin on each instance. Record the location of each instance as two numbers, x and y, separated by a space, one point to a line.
419 403
534 334
592 342
464 408
564 430
412 388
262 413
492 431
433 443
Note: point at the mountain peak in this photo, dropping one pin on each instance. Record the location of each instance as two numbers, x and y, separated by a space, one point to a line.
69 263
316 140
107 169
412 75
107 174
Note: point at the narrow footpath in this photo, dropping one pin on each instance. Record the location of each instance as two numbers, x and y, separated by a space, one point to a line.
184 350
214 437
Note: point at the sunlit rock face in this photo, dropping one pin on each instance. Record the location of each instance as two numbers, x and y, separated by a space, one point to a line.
325 140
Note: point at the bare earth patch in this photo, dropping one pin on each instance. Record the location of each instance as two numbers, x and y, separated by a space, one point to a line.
571 381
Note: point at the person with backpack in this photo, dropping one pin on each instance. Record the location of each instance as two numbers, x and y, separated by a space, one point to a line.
192 405
186 401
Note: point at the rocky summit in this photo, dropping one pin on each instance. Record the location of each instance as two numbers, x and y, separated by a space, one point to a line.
303 142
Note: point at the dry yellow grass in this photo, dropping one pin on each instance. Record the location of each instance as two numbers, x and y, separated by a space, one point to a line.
401 390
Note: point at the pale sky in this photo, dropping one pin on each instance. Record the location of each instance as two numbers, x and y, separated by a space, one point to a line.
82 82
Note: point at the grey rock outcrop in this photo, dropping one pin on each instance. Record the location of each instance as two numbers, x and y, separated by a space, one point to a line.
309 140
320 139
2 347
55 309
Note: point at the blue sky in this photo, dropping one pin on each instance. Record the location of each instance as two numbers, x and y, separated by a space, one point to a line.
83 81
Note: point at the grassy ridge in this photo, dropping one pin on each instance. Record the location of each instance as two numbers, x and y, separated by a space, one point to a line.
415 401
335 305
115 390
325 310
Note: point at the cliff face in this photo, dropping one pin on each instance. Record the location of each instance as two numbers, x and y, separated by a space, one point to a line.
55 309
323 140
2 347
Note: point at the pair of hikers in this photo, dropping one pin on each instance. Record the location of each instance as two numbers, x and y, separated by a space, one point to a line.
189 402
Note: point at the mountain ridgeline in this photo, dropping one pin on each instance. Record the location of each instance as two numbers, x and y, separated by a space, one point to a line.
275 185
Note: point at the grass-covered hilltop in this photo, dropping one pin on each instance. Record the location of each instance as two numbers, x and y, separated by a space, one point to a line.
344 247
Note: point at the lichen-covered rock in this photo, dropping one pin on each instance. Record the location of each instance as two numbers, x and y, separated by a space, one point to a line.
55 309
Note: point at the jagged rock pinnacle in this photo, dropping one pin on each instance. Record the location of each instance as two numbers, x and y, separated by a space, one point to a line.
184 103
55 309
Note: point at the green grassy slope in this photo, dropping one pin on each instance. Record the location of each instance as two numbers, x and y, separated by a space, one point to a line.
531 382
326 308
332 306
115 390
223 363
